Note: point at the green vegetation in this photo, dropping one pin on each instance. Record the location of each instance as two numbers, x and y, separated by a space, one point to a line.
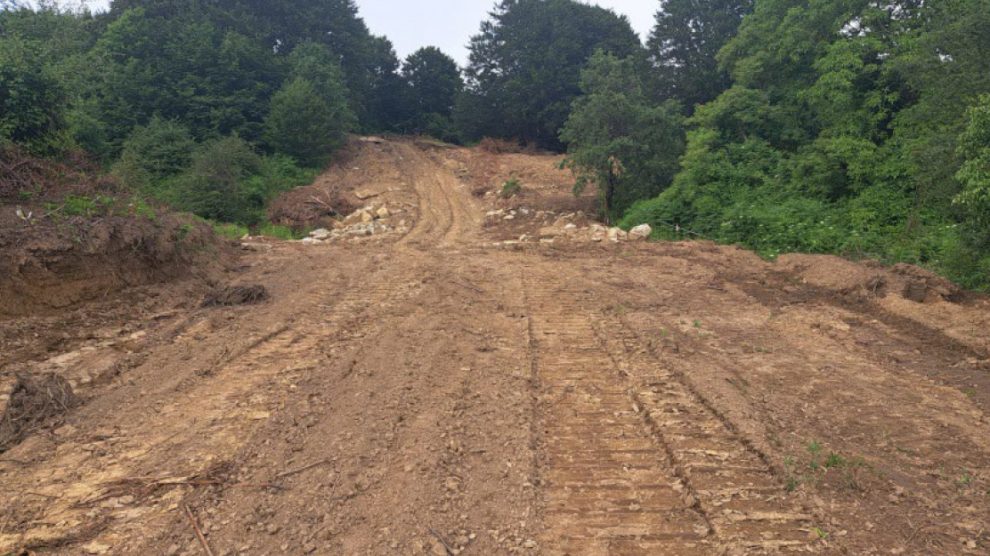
511 188
617 139
841 133
816 467
526 63
434 84
212 107
231 231
835 126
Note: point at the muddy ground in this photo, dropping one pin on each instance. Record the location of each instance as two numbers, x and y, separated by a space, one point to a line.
452 390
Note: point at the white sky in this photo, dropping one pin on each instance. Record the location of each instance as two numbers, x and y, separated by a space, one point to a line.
449 24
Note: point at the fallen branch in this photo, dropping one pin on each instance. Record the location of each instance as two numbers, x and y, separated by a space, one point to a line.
322 203
199 533
285 474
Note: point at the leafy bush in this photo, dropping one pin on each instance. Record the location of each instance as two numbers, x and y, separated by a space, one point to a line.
213 185
230 231
154 152
228 182
511 188
275 174
303 125
278 232
32 102
974 146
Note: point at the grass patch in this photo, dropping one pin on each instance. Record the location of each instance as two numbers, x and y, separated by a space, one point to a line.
230 231
279 232
511 188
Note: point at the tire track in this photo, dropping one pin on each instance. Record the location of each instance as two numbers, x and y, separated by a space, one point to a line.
608 486
733 485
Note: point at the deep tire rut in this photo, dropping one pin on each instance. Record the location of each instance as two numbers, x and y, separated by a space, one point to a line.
633 462
608 486
732 484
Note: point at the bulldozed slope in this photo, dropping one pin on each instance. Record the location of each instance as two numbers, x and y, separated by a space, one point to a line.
69 235
453 388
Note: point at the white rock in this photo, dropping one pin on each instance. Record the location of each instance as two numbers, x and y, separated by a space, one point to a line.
321 234
383 213
311 241
615 235
640 232
570 227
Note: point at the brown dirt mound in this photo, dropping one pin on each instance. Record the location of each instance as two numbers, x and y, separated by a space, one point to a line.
69 234
236 295
317 205
33 401
56 263
870 279
28 180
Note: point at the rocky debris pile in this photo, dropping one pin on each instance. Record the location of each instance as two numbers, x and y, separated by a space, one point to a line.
368 221
563 230
545 217
554 227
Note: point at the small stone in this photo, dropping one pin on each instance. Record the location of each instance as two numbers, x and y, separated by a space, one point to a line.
320 234
383 213
615 235
529 543
438 549
96 547
272 528
641 232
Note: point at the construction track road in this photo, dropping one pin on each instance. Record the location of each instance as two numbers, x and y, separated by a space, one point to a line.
446 394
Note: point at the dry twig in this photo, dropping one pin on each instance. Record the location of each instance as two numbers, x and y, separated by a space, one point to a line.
285 474
199 533
442 540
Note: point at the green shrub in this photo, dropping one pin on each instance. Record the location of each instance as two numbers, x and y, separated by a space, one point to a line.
303 125
213 186
230 231
511 188
275 174
278 232
152 153
32 102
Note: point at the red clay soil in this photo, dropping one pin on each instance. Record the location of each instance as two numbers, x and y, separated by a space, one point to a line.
448 392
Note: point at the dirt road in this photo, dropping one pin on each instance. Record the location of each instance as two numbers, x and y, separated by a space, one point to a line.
446 392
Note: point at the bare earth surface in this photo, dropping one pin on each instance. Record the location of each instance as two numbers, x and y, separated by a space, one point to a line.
439 390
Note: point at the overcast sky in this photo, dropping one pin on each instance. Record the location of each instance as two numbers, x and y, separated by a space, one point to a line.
449 24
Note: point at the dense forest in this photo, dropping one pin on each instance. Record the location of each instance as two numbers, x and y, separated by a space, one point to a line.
858 127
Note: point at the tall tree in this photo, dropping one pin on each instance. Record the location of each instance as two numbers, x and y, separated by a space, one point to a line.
616 140
303 125
684 43
434 81
525 66
32 101
184 68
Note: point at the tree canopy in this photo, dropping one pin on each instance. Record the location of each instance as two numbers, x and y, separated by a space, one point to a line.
846 126
525 66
